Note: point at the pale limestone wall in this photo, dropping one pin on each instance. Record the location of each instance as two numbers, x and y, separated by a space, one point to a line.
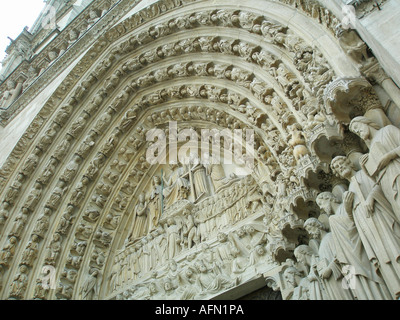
96 182
380 29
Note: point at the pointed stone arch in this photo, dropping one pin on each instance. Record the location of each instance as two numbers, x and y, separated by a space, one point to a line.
263 70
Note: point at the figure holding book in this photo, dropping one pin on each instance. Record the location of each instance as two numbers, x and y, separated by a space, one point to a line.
383 162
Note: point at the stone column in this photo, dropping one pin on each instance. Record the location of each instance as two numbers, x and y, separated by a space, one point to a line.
378 75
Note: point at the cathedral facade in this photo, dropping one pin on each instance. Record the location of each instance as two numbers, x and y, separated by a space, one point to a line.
202 149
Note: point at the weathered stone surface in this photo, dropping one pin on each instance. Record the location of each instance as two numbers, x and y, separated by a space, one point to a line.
116 184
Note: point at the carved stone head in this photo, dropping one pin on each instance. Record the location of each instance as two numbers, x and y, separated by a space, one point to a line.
342 167
303 254
10 84
222 237
314 227
142 198
324 201
260 250
361 127
291 276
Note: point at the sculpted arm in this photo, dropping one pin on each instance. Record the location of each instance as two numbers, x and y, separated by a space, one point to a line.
388 157
141 211
390 138
348 199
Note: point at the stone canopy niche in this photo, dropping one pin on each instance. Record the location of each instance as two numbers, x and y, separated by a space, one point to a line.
85 215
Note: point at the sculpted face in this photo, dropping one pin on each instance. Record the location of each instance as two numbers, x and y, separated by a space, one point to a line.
342 167
325 204
153 288
10 85
157 180
202 268
189 273
313 230
300 257
360 129
260 250
289 276
222 237
167 286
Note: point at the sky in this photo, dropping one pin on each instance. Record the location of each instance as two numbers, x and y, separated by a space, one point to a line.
15 15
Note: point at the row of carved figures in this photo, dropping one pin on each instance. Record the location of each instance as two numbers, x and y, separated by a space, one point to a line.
205 271
87 83
236 199
354 252
244 19
181 233
354 248
51 134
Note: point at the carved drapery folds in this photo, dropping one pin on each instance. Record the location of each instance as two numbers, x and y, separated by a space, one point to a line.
81 197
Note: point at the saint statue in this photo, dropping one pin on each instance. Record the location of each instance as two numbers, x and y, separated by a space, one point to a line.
217 173
356 222
326 265
172 230
20 283
311 285
177 185
10 94
140 218
200 181
154 205
90 286
383 162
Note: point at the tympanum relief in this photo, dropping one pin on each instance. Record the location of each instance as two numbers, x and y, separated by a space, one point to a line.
185 207
319 206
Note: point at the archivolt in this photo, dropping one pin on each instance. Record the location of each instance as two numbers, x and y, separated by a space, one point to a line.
91 146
